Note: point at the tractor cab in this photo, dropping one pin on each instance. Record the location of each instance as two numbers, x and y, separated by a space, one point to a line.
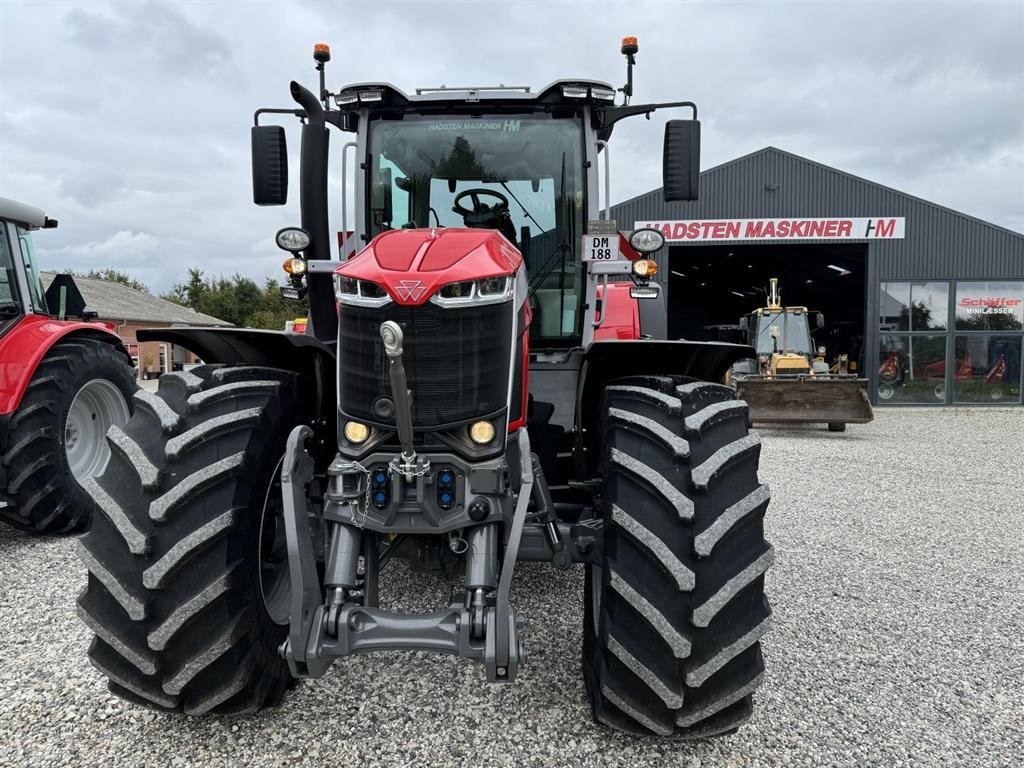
512 168
21 283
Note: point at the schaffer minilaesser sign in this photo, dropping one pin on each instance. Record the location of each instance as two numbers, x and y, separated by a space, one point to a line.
704 230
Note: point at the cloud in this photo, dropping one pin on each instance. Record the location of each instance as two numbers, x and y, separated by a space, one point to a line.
133 120
121 248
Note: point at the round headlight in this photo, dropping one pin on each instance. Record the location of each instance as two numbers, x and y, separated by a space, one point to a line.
356 432
646 240
481 432
293 239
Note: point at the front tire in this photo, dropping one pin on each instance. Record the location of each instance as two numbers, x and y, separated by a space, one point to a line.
177 595
675 612
57 440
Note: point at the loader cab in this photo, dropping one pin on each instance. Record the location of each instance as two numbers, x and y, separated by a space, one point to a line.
781 330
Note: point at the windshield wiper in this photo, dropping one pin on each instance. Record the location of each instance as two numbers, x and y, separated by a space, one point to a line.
548 267
526 212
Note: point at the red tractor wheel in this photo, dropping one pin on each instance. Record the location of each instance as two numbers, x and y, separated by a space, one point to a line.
57 440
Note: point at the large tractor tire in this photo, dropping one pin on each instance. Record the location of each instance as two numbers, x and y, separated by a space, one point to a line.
676 609
56 444
188 582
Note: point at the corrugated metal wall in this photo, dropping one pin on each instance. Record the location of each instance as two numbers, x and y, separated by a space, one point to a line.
939 243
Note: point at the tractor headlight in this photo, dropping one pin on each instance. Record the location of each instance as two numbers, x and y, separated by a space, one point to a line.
646 240
481 432
646 268
293 239
361 293
487 290
355 432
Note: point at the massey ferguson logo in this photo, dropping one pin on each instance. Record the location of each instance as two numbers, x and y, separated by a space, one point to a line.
410 290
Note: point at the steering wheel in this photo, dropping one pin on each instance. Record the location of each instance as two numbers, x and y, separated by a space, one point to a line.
474 194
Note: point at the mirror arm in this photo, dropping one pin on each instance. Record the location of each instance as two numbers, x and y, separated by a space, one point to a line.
299 113
606 117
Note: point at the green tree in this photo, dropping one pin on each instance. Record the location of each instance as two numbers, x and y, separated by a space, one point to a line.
237 300
113 276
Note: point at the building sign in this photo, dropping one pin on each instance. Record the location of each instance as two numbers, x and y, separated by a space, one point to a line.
989 305
713 230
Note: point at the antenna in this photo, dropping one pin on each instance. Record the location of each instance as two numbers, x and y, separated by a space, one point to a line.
629 49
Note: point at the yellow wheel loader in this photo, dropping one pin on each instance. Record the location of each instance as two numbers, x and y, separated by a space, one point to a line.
790 381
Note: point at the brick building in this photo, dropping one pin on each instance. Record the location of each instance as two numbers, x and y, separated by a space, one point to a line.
130 310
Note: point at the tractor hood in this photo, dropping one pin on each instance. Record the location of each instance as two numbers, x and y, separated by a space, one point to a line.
412 264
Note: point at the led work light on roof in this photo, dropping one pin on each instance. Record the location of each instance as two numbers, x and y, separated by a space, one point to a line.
646 240
293 239
575 91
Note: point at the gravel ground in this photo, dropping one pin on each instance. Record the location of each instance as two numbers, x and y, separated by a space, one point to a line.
899 612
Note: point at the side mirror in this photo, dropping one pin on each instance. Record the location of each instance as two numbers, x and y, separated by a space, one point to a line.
380 199
681 172
269 165
820 320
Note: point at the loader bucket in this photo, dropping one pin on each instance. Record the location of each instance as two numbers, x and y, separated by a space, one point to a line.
807 399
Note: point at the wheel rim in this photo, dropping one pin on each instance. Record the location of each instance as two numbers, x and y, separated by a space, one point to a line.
885 391
275 579
940 392
996 393
96 407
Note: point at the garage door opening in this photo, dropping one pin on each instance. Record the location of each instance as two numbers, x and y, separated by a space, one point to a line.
712 286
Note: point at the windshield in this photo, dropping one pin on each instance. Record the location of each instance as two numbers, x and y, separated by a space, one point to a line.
794 333
10 303
33 277
518 174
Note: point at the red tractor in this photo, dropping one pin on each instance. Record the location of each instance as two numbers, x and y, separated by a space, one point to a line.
63 385
450 403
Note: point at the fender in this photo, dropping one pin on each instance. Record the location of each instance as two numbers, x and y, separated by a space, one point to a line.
25 345
312 359
629 318
613 359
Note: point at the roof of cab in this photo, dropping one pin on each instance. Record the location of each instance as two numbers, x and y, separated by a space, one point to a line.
12 210
551 93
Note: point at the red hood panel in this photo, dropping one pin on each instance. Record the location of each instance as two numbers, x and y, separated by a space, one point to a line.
412 264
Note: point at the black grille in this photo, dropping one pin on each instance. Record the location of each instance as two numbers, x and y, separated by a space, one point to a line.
456 360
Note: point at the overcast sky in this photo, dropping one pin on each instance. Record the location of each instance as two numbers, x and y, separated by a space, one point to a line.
129 121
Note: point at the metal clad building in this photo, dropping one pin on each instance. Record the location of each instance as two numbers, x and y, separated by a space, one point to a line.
939 307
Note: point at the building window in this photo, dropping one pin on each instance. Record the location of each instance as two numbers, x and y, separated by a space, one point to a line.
990 306
987 368
912 368
914 306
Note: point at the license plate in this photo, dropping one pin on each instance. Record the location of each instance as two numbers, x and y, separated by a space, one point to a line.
600 248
